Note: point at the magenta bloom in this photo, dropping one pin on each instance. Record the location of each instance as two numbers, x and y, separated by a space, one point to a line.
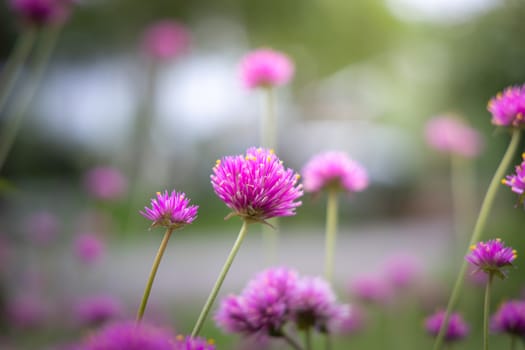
510 318
189 343
42 12
165 40
346 320
42 227
89 247
452 135
371 289
266 68
334 170
402 270
256 187
170 210
232 316
27 311
96 310
457 328
105 183
129 336
508 108
491 257
517 181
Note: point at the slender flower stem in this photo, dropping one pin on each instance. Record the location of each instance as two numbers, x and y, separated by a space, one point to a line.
15 62
331 233
513 342
15 118
222 275
308 339
486 312
152 274
486 206
327 342
291 341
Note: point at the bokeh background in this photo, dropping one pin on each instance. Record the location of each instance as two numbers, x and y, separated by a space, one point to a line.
369 75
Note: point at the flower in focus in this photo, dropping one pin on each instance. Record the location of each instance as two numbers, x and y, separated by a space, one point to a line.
88 247
508 107
170 210
129 336
450 134
189 343
256 186
42 227
42 12
105 183
457 328
371 289
334 170
96 310
517 181
165 40
27 311
491 257
510 318
266 68
402 270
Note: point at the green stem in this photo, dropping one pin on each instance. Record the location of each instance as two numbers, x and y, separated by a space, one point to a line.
513 342
15 118
486 312
331 233
15 62
308 339
269 124
327 341
486 206
291 341
152 274
222 275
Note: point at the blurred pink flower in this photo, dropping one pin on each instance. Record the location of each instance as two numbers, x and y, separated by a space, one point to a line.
96 310
266 68
165 39
371 289
88 247
42 12
27 311
349 319
105 183
451 134
42 227
402 270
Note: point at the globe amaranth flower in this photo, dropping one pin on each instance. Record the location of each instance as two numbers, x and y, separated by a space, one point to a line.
371 289
42 12
42 228
334 170
165 40
27 311
491 257
508 107
266 68
256 186
196 343
450 134
96 310
170 210
517 181
402 270
347 319
105 183
89 247
129 335
457 327
509 318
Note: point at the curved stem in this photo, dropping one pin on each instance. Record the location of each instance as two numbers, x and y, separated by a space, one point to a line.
486 312
14 63
291 341
220 280
331 232
486 206
15 118
153 273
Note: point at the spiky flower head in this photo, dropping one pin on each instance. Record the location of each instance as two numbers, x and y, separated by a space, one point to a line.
508 107
491 257
266 68
517 181
256 186
457 327
189 343
165 39
452 135
170 210
510 318
334 170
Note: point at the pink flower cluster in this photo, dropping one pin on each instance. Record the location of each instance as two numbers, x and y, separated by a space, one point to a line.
452 135
508 107
266 68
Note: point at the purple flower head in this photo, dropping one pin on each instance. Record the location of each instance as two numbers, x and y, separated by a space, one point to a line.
189 343
371 289
96 310
266 68
452 135
347 319
491 257
105 183
313 304
165 40
517 181
89 247
170 210
42 12
457 328
27 311
232 317
334 170
508 107
510 318
402 270
256 186
42 227
129 336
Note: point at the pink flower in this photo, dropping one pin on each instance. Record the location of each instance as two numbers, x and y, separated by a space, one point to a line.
452 135
457 328
88 247
371 289
334 170
508 107
266 68
42 12
170 210
165 40
491 257
42 227
105 183
27 311
401 271
516 182
96 310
